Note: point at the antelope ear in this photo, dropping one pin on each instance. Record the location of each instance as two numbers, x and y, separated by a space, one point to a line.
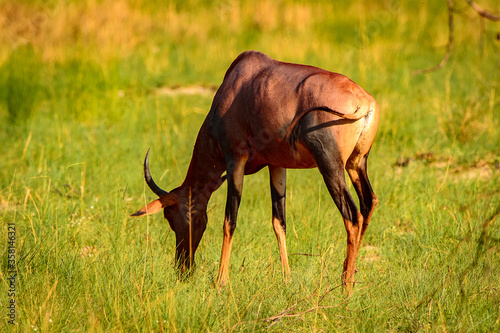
151 208
155 206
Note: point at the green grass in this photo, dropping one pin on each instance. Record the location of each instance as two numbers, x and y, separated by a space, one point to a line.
80 105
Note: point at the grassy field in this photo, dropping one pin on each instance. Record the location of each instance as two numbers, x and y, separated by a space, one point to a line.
86 87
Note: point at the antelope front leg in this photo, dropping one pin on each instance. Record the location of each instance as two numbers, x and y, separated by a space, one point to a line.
235 173
278 196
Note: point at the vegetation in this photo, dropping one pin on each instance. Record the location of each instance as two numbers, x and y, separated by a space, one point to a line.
86 87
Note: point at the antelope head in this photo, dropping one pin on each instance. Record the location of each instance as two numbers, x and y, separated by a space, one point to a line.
186 216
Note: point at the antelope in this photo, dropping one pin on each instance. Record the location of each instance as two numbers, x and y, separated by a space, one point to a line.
280 115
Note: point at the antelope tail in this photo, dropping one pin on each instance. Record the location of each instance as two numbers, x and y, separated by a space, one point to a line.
348 116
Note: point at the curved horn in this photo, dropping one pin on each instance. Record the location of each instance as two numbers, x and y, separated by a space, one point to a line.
149 180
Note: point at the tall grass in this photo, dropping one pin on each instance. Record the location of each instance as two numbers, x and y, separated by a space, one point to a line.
84 81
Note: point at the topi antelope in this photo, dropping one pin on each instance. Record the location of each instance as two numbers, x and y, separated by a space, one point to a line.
279 115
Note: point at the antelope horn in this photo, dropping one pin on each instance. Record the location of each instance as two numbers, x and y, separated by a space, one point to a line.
149 180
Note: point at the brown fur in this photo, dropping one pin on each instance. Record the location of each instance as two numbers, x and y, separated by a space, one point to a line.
280 115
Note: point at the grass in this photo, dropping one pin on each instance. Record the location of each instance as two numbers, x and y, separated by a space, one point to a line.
81 101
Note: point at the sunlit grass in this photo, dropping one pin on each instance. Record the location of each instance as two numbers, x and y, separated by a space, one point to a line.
85 79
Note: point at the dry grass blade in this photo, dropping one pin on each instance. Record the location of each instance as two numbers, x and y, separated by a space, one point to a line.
482 12
449 45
